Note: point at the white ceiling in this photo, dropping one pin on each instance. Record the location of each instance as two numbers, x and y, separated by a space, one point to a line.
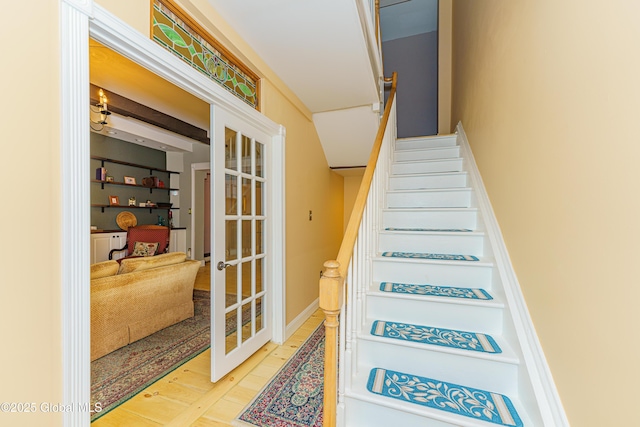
316 46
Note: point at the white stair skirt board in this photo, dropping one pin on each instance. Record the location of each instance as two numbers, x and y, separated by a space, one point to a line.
440 276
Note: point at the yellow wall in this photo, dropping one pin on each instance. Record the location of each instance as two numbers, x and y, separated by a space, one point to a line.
445 21
549 95
310 184
30 255
351 186
30 311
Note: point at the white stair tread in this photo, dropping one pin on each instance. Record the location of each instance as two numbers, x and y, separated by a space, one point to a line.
439 209
427 148
482 261
443 315
374 290
426 141
428 180
359 391
431 217
448 159
430 190
506 355
430 153
421 174
432 231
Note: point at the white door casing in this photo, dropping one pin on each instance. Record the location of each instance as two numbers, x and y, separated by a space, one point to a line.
79 20
197 210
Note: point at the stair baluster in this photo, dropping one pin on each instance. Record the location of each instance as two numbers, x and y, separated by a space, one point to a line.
344 279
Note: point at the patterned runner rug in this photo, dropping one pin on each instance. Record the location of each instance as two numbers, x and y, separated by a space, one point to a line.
120 375
294 397
463 340
466 401
439 257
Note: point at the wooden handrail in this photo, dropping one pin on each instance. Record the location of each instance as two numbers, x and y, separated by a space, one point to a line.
333 279
349 239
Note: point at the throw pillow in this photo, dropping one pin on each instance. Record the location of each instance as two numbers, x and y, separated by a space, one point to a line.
144 249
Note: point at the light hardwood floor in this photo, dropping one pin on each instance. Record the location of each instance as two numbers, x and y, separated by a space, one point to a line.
187 397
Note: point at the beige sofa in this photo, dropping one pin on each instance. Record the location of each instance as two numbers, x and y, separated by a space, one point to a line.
138 297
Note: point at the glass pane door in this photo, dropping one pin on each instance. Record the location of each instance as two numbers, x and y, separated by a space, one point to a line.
240 295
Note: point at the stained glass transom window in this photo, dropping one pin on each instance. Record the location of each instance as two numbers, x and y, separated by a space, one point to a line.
171 32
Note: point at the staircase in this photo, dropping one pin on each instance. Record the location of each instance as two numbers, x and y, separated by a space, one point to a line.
444 338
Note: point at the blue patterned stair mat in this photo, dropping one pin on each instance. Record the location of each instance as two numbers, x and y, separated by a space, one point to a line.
453 398
421 255
441 230
435 291
451 338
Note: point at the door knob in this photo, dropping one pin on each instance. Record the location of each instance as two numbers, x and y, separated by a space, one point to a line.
221 265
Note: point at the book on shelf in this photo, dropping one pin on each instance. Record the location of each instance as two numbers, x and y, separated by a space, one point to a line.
101 174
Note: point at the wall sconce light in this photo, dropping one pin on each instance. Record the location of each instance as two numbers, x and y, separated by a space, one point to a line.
102 109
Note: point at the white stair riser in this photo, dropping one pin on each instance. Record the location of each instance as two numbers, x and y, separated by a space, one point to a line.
429 362
427 154
427 189
462 218
449 165
445 243
414 182
430 142
430 311
468 274
429 199
366 414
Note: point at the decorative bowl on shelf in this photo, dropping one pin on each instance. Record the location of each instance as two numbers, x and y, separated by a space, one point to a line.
164 204
126 219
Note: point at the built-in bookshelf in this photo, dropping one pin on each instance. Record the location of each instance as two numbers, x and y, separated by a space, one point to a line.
150 188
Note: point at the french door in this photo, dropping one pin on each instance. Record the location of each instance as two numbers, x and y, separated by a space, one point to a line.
241 294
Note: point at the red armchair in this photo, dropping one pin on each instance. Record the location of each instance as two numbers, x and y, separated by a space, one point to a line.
145 234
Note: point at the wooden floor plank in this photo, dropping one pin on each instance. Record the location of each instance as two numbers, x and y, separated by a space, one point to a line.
220 388
172 390
186 396
224 410
206 422
156 408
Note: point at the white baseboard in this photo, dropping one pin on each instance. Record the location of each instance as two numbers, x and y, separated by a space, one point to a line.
301 318
546 393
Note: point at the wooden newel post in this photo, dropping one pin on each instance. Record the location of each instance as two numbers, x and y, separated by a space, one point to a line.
331 296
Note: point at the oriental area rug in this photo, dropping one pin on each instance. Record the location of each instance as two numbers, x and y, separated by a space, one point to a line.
294 396
122 374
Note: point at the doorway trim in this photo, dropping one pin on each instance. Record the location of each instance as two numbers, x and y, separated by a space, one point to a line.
194 168
79 20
